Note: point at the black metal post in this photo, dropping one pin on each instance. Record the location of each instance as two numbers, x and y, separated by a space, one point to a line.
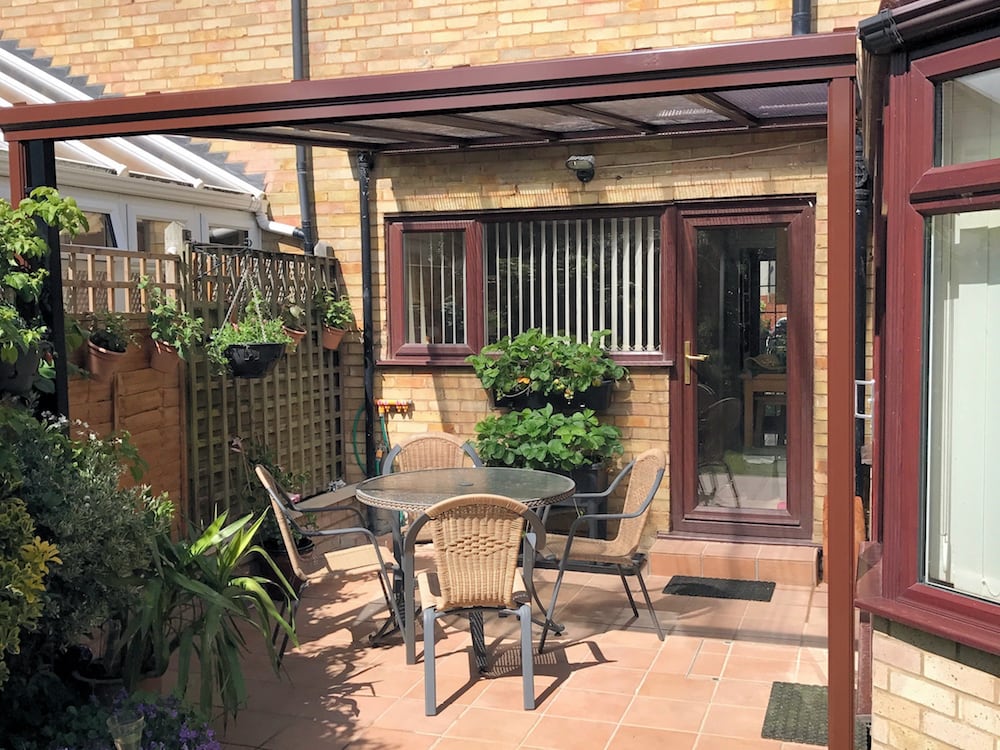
366 164
41 171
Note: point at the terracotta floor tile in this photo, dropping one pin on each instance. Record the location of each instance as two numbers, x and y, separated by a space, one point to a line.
591 704
555 732
407 715
734 721
460 743
661 713
678 687
630 738
709 664
394 738
749 693
709 742
749 668
607 680
493 725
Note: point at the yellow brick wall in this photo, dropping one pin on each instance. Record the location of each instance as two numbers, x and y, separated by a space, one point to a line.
152 45
932 694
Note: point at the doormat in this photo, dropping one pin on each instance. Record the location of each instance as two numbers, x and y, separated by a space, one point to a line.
720 588
797 713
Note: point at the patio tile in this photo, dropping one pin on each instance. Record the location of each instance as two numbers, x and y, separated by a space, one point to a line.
376 737
662 713
734 721
598 706
494 725
407 715
607 679
629 738
748 693
678 687
552 733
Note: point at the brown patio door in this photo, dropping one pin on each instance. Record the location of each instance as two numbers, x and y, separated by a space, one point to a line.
741 416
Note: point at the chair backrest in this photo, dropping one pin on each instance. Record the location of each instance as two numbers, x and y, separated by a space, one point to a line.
435 450
643 482
476 543
281 505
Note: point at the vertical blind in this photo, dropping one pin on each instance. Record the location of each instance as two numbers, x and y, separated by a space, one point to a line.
575 276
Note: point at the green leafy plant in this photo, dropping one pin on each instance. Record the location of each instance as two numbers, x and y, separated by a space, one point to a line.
21 278
253 451
110 331
169 323
545 439
293 315
535 362
335 310
257 326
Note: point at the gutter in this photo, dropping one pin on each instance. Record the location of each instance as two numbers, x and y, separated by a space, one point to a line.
920 22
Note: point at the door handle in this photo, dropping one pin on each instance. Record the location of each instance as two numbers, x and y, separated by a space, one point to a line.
688 359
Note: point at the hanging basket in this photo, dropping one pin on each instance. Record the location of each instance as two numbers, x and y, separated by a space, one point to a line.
332 337
253 360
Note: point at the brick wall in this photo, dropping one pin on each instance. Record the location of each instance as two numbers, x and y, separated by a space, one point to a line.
932 694
150 45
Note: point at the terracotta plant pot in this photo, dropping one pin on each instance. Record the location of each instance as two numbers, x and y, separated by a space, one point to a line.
103 363
297 335
163 357
332 337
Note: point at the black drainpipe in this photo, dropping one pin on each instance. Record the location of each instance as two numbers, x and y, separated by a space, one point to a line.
862 217
366 164
801 17
303 154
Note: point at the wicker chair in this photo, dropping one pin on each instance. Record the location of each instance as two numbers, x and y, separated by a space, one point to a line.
619 555
320 565
434 450
476 543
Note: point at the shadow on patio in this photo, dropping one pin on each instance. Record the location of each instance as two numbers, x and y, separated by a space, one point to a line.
607 683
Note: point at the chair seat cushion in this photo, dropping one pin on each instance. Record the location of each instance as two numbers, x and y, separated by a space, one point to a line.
587 550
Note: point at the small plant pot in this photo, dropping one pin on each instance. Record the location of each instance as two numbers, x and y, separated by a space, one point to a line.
296 334
253 360
16 377
331 337
103 363
164 358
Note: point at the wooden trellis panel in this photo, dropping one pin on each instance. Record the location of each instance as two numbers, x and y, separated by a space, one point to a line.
295 410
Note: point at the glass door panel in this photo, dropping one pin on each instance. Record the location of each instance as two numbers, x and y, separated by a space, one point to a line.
741 343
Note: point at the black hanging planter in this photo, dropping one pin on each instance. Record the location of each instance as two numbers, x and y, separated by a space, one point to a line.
526 399
597 398
253 360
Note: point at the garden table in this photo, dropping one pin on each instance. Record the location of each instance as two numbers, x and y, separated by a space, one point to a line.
415 491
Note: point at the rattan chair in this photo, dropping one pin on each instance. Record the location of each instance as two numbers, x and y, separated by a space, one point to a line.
620 555
433 450
477 539
334 561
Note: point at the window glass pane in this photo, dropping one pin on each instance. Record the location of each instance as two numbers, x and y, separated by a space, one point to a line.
434 287
575 276
151 235
100 233
963 405
228 236
969 118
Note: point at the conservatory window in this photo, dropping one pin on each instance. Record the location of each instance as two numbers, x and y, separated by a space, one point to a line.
962 404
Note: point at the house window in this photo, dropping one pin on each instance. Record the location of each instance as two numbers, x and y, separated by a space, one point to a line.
463 284
100 232
939 349
962 404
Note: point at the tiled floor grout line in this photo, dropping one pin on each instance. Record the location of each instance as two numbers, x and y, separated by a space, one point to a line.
635 693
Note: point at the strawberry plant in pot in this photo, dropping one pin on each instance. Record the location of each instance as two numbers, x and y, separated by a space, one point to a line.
172 329
250 347
107 343
337 316
534 368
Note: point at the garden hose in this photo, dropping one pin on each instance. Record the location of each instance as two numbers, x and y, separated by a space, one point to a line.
354 439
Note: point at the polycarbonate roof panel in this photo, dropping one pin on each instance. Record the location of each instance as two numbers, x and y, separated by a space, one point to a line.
417 126
660 110
542 119
780 101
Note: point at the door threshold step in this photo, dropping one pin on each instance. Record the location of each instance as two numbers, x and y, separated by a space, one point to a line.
791 565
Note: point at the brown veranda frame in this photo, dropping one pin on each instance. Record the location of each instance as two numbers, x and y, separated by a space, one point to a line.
830 58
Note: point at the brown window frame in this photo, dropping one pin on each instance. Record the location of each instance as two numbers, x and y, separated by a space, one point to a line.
916 189
402 353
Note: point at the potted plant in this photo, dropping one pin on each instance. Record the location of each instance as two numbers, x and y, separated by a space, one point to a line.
548 440
337 316
534 368
172 329
107 343
250 347
21 276
293 318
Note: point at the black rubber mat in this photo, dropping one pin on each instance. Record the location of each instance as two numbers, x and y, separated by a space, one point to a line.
798 713
720 588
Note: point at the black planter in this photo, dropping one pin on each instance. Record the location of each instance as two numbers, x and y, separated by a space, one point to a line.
516 402
597 398
253 360
17 376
